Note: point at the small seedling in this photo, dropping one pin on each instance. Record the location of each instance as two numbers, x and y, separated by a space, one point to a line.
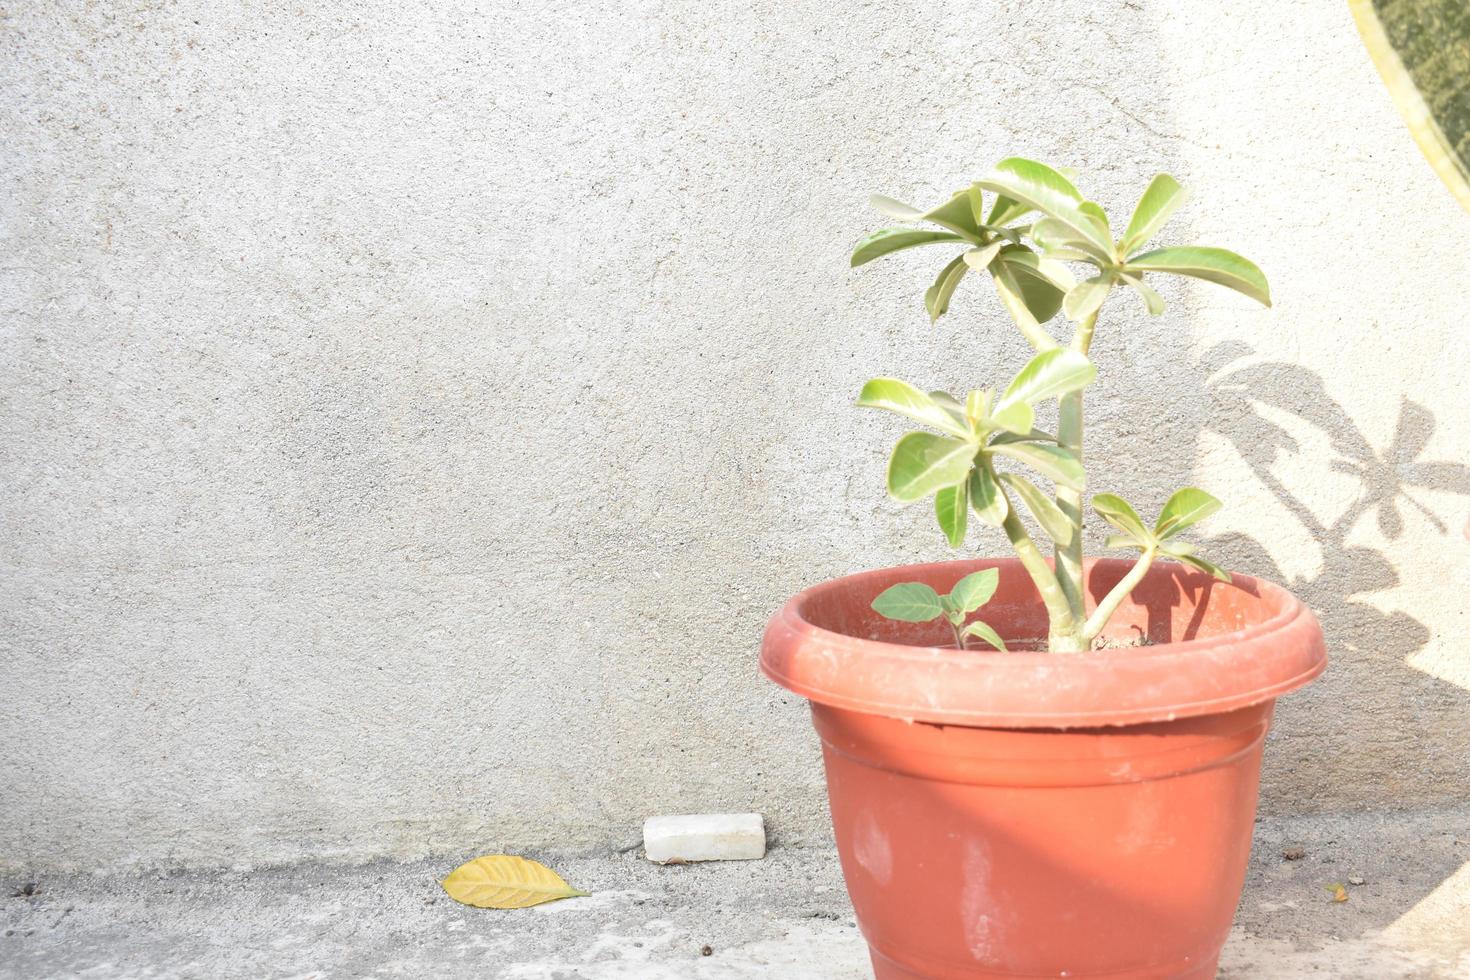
915 602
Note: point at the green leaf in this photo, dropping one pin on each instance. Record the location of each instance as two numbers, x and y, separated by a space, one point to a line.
923 463
1117 512
1056 463
979 259
1031 435
1016 235
977 406
1099 217
1034 435
909 602
1177 549
1151 299
1208 567
1050 374
1060 240
1158 202
1037 281
936 298
956 214
1063 254
987 634
1188 506
1040 187
1028 263
975 589
1016 418
1123 541
952 508
956 411
1085 298
1013 295
1005 210
1047 513
893 395
977 205
991 506
886 240
895 209
1211 264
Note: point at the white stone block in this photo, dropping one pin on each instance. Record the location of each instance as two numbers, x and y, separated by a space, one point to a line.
704 837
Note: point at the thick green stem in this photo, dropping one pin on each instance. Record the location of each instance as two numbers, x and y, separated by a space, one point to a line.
1110 602
1069 436
1060 614
1069 501
1082 339
1038 337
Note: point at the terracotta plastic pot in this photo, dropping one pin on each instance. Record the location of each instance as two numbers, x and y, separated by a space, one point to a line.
1045 815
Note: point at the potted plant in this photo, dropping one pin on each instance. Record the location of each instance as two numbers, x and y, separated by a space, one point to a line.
1041 767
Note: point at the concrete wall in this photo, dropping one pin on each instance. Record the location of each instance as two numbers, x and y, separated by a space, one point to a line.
410 414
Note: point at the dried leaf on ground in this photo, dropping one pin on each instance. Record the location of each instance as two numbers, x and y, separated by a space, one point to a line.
504 881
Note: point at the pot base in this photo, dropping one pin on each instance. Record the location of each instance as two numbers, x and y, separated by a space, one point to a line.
886 969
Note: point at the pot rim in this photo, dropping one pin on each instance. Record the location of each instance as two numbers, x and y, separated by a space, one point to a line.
1037 689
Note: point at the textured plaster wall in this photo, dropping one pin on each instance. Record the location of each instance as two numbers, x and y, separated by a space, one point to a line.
410 414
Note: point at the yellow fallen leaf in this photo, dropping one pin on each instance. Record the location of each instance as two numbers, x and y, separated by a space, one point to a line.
504 881
1339 891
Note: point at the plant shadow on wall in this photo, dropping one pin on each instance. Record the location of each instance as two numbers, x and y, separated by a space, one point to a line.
1399 729
1406 728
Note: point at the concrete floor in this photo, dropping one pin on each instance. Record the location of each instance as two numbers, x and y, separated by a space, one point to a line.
785 917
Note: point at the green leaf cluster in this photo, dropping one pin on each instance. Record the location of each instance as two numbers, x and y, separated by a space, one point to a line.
915 602
1184 509
956 464
1024 280
1075 229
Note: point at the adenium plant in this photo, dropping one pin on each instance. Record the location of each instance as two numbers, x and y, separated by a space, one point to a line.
1037 225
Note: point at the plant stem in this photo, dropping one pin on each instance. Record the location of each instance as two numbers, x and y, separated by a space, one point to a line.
959 635
1058 611
1069 501
1038 338
1110 602
1069 436
1082 339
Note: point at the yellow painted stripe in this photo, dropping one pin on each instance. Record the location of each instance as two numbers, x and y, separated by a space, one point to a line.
1411 105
